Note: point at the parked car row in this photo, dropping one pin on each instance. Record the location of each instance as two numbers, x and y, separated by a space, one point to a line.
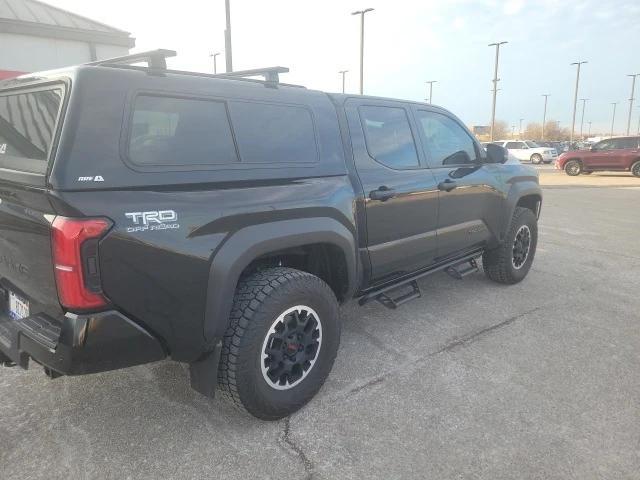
527 151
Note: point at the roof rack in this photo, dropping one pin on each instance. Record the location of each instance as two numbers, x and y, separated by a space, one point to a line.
155 59
271 74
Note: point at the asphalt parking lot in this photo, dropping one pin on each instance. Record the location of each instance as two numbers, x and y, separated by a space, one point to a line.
472 381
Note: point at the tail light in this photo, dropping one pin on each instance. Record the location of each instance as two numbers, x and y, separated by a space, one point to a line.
75 258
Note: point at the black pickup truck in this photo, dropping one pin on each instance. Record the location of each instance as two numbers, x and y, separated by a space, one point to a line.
219 220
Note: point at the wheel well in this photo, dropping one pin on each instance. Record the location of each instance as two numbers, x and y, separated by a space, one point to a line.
323 260
532 202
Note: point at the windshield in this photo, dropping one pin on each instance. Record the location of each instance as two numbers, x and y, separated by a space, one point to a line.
532 144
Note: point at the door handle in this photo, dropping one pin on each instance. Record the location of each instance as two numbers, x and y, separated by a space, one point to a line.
447 185
382 193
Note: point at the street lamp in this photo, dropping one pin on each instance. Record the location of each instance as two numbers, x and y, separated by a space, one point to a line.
495 85
227 38
215 64
613 117
544 115
520 129
631 99
584 102
343 73
575 98
431 82
361 13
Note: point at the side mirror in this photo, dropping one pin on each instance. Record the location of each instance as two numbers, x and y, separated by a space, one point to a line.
497 154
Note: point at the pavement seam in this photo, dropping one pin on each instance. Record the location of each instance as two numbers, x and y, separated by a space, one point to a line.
459 342
290 446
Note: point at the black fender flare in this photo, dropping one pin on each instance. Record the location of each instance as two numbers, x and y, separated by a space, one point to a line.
251 242
519 188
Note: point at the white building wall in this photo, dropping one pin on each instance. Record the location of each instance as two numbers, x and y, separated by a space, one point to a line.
25 53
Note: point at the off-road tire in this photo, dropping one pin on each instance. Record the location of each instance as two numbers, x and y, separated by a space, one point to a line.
635 169
498 263
259 300
536 159
573 168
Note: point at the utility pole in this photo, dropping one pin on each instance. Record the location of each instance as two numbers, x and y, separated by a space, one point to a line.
227 38
495 86
613 117
631 99
343 73
215 64
584 102
520 130
544 115
361 13
575 99
431 82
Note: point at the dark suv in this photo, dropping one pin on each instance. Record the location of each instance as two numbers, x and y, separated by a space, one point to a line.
220 220
612 154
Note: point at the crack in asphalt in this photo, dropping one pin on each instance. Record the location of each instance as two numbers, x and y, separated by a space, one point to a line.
459 342
292 447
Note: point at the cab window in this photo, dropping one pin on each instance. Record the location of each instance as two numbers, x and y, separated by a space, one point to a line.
446 142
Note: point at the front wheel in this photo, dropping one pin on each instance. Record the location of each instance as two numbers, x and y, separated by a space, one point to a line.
510 262
635 168
536 158
281 342
573 168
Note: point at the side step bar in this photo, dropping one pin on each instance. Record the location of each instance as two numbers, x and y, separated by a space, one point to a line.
458 268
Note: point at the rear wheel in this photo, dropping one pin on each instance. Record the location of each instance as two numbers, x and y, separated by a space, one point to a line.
573 168
281 342
511 261
635 168
536 158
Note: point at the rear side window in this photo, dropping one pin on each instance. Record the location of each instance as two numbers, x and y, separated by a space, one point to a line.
269 133
388 136
625 143
27 128
168 131
514 145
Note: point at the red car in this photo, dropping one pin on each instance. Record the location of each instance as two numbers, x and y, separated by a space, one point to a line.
613 154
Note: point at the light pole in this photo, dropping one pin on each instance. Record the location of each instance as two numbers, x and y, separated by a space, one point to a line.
431 82
343 73
575 99
589 134
520 130
495 85
513 132
227 38
361 13
584 102
613 117
631 99
544 115
215 63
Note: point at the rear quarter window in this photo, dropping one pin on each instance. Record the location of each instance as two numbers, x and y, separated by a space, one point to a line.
169 131
271 133
28 121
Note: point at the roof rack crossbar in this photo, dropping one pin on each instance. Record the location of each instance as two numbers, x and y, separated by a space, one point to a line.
155 59
270 74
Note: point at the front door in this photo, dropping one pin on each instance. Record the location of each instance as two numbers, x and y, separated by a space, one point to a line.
400 195
470 199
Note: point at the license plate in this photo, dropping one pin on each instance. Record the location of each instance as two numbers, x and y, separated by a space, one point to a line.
18 307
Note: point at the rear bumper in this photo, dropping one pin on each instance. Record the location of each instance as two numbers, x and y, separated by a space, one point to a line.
78 344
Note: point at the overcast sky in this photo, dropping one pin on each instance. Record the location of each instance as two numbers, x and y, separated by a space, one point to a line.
409 42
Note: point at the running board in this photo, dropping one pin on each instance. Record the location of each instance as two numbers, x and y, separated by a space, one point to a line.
383 295
463 269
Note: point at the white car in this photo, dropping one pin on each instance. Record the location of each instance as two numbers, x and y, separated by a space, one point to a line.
511 160
528 151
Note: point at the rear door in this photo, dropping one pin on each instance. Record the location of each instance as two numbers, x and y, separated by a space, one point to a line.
401 197
470 198
28 125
